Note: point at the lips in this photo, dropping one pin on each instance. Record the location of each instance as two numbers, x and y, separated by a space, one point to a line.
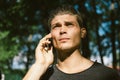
64 39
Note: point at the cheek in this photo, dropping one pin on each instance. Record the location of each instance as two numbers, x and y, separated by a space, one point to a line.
54 34
76 37
54 37
75 32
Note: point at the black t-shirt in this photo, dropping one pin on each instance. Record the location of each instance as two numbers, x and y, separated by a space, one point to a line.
96 72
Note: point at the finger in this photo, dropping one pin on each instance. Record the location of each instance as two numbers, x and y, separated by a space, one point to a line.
44 42
48 36
47 45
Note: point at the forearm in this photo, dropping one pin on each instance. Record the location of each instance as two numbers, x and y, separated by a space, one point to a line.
35 72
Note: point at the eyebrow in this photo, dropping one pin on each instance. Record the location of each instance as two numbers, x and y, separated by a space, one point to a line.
68 22
57 23
64 21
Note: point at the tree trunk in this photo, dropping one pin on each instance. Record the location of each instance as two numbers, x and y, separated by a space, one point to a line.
97 34
112 17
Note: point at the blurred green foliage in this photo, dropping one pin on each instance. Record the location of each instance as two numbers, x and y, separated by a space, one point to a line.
22 19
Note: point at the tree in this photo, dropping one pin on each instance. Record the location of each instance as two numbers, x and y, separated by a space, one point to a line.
24 22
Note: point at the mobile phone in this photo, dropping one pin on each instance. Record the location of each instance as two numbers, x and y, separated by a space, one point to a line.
50 39
48 46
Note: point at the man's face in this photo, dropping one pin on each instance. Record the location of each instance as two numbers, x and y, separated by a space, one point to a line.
65 32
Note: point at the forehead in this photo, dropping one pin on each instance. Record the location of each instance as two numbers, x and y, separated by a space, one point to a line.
64 17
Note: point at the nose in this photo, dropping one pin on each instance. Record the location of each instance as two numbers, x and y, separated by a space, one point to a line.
63 30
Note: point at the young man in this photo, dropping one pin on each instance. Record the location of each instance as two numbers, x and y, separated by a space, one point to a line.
66 32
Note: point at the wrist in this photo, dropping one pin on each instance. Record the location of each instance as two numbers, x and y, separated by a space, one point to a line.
35 72
43 66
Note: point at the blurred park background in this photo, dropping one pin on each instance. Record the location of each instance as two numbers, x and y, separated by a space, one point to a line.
24 22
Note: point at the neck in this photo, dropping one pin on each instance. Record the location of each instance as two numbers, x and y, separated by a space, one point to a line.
72 63
64 56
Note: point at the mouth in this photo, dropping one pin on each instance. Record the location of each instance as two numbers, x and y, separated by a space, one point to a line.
63 39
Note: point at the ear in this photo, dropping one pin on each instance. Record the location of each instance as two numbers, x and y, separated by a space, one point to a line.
83 32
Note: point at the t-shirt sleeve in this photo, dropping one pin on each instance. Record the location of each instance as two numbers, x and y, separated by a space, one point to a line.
47 74
108 72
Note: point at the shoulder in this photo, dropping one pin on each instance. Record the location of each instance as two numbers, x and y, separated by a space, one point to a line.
102 67
106 71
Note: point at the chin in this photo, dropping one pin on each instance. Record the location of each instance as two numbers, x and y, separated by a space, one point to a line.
64 48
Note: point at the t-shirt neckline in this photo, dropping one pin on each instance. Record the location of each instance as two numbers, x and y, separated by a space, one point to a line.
76 72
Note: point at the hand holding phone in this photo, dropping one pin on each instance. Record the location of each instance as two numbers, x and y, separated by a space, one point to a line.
49 45
43 59
44 51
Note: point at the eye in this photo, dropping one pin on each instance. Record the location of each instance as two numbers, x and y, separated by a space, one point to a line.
69 24
56 26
